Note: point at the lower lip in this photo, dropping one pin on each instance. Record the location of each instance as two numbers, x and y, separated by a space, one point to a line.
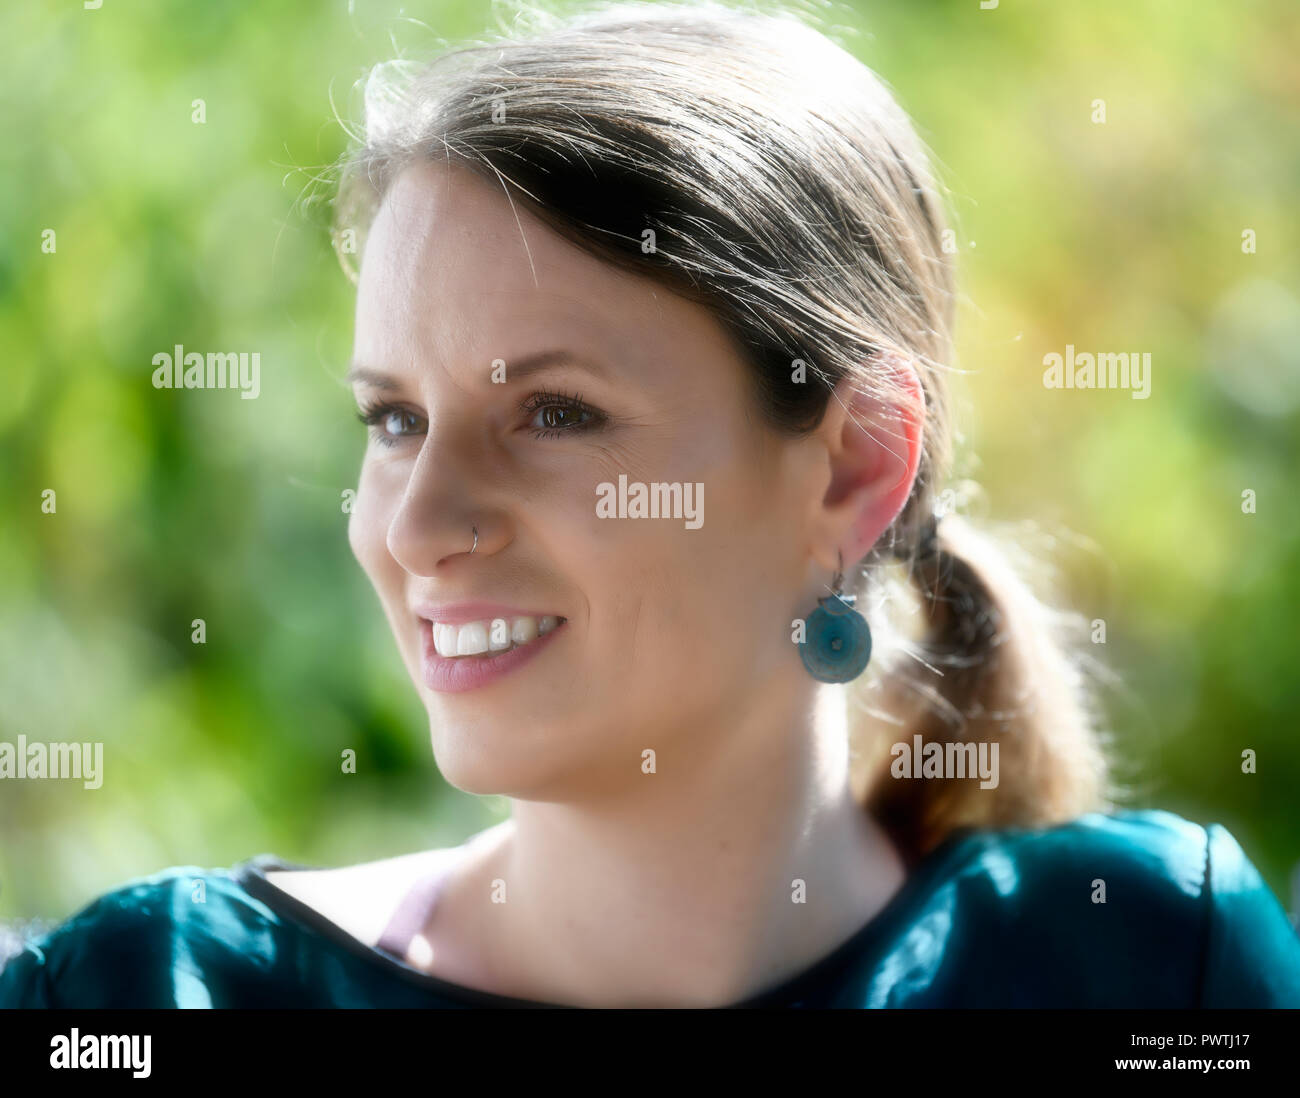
461 673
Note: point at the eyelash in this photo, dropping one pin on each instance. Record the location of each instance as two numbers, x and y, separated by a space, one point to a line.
550 399
374 414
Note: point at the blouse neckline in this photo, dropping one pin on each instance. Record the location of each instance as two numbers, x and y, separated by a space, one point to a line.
251 875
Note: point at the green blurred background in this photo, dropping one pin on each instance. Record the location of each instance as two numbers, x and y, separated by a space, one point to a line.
1122 235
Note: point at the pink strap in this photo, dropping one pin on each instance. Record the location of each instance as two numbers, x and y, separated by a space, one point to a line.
416 907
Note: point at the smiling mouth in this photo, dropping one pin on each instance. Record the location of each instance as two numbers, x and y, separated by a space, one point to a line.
491 636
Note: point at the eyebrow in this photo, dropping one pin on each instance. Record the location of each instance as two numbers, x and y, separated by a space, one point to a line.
517 370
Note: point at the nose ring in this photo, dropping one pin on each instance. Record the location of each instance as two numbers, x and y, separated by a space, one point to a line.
475 539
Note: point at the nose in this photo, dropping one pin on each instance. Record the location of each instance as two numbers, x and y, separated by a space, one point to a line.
445 511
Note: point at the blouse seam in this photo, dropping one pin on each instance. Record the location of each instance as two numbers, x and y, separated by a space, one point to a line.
249 874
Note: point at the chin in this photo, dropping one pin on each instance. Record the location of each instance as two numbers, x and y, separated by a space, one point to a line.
553 763
483 758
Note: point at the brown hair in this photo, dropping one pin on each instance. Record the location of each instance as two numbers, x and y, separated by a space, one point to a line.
777 182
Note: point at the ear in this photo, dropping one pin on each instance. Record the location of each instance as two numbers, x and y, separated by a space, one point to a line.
873 448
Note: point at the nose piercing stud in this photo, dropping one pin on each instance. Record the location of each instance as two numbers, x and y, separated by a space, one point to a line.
475 539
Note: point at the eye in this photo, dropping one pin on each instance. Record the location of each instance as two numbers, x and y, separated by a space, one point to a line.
555 414
388 423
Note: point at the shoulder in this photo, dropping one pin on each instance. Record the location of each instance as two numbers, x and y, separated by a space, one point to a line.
1253 949
361 898
1155 857
1129 908
158 940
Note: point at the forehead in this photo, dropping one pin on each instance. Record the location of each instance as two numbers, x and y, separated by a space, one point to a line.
453 265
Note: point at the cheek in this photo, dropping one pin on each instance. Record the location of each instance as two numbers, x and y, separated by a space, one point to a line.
701 608
368 530
685 614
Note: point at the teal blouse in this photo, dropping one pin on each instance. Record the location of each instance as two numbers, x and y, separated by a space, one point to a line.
1008 918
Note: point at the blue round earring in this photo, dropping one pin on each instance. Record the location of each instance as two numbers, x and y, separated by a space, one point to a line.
837 646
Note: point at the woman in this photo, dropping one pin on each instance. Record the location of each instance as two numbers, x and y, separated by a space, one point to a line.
652 325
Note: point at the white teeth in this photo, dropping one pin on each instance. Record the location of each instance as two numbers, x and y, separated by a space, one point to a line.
499 635
471 639
474 638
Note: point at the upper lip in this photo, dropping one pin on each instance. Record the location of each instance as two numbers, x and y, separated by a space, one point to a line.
458 613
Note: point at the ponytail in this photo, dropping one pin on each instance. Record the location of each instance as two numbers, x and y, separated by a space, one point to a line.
993 666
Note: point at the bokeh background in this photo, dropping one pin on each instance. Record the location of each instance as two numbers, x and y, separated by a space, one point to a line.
1119 235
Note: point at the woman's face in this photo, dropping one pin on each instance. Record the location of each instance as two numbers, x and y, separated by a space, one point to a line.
674 627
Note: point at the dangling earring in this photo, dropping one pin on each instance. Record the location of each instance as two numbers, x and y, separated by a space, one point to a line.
838 643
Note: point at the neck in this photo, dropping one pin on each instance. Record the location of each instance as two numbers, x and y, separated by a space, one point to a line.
685 888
